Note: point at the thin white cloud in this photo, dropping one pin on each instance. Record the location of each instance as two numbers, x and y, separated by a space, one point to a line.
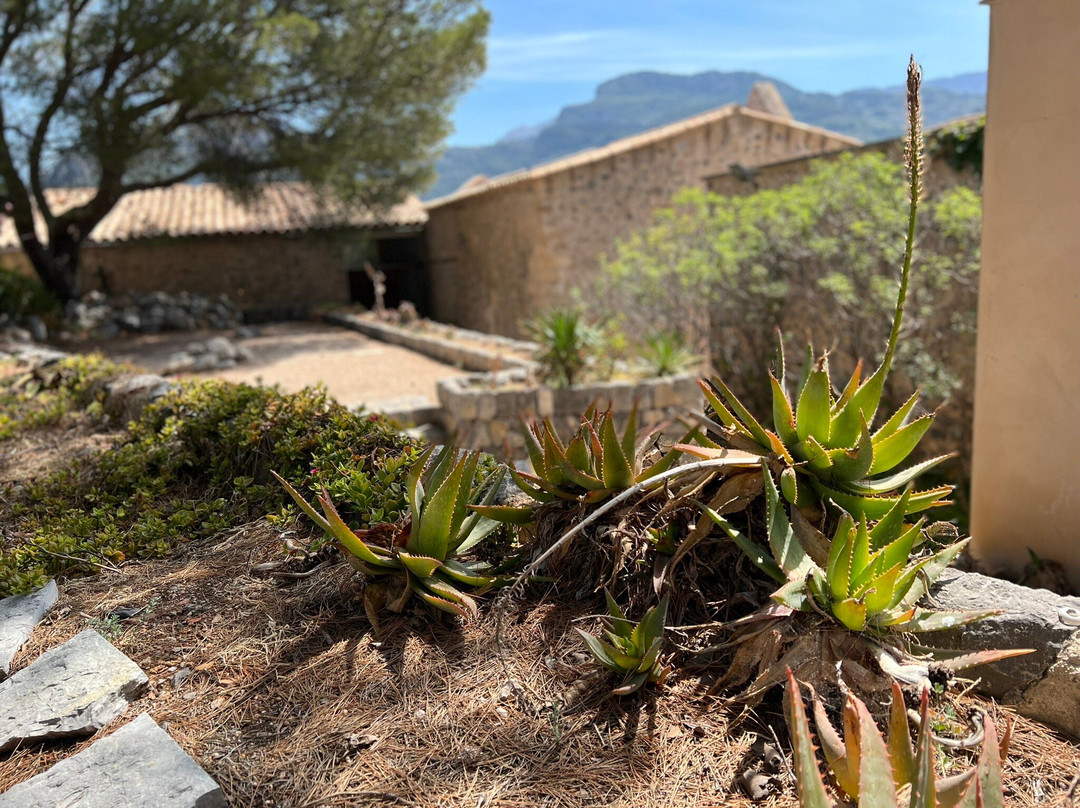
600 54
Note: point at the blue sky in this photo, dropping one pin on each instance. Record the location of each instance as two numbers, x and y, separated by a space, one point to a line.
545 54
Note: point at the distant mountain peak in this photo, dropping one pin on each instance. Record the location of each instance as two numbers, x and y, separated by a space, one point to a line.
635 102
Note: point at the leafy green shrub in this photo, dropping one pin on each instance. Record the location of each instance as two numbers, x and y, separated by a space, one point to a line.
816 259
198 461
567 343
22 295
45 396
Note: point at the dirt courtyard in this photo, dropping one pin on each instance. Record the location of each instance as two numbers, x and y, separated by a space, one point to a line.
355 369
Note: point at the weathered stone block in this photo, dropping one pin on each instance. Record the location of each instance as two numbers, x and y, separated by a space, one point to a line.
138 765
486 406
1056 699
74 689
18 617
1031 618
545 402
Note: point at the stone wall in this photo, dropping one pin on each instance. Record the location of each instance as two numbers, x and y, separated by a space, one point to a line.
484 410
277 274
939 174
506 251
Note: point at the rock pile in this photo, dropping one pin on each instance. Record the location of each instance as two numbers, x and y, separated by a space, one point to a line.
150 313
217 353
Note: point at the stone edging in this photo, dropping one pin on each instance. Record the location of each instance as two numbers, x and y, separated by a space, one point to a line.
444 350
483 409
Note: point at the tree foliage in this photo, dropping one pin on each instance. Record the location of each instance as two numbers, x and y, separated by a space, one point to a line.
818 259
352 95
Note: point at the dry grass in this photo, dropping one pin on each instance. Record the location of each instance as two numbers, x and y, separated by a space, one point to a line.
292 702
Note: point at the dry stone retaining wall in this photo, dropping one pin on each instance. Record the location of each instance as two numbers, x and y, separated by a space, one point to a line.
483 411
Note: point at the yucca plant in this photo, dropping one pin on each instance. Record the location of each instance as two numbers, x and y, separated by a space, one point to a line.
424 553
632 649
865 577
594 465
567 343
880 773
822 433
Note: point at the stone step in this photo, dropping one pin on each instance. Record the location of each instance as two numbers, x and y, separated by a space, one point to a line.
18 617
138 766
74 689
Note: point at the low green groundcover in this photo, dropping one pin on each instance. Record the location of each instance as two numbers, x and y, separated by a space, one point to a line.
195 463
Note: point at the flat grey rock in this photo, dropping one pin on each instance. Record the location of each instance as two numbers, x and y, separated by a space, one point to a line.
127 397
1031 619
74 689
138 766
18 617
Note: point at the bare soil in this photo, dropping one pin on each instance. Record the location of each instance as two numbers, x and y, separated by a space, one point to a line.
355 369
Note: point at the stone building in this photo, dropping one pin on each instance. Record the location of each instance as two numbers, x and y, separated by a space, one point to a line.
276 255
502 250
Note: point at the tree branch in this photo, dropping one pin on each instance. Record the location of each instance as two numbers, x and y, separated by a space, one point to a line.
63 85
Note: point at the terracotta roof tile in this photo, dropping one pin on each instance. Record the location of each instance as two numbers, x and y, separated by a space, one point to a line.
209 209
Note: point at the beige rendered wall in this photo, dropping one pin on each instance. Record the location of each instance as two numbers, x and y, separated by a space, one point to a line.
1025 484
506 254
480 251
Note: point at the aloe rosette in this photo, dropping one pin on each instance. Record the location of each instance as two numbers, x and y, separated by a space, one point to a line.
425 553
631 649
877 772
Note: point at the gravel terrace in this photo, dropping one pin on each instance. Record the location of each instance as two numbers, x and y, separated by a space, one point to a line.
355 369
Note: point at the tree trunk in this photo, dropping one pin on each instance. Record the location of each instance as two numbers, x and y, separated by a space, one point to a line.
57 264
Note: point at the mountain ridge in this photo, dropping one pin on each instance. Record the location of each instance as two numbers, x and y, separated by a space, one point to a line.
635 102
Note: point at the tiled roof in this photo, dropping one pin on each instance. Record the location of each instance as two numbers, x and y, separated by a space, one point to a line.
627 144
209 209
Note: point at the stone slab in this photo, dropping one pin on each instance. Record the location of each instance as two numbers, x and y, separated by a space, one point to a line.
138 766
1031 619
18 617
74 689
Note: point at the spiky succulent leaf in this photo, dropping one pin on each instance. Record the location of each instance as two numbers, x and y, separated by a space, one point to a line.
618 471
750 423
310 512
783 417
855 463
876 786
812 412
877 506
787 551
810 786
890 452
633 684
900 752
755 553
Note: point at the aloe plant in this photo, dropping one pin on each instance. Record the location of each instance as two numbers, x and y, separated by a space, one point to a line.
632 649
865 577
879 773
666 354
566 344
823 434
596 464
423 554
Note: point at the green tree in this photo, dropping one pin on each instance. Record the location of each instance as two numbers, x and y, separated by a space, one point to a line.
352 95
819 259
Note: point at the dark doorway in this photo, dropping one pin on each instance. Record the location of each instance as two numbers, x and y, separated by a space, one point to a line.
402 259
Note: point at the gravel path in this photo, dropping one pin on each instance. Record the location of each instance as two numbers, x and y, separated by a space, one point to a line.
355 369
